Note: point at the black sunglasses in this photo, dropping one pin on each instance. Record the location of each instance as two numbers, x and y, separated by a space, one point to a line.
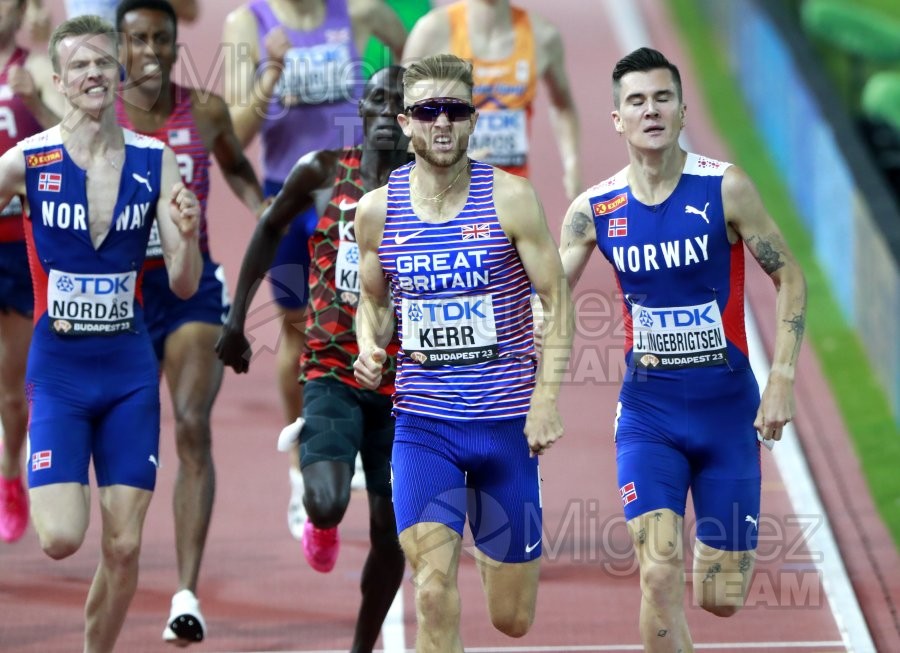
429 110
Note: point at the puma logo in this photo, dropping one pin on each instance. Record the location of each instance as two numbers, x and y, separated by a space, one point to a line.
702 214
400 240
154 461
143 180
752 520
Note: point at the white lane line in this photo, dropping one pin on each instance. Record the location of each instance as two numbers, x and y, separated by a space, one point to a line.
393 632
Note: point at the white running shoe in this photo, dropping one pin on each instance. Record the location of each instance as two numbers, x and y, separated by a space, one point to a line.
358 482
186 625
296 512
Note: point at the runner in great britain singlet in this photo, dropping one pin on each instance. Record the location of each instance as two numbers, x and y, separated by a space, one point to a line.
466 371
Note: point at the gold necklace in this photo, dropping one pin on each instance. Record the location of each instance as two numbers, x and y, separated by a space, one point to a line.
440 196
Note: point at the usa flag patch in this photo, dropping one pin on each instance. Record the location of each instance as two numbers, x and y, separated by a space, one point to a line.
50 182
618 227
628 493
180 136
476 231
41 460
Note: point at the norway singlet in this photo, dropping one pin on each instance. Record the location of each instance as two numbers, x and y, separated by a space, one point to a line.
92 377
503 93
689 398
334 285
461 298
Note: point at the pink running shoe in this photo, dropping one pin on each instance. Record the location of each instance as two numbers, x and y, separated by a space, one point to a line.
13 509
320 546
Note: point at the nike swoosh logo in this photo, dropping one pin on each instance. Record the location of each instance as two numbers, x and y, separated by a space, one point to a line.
400 240
346 206
531 547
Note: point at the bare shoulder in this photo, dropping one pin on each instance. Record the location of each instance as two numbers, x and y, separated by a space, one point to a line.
740 198
239 26
545 32
430 35
371 213
516 201
207 106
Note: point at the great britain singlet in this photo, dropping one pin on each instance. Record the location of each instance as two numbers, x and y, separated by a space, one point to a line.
682 281
181 134
503 93
16 123
80 290
314 104
462 302
334 285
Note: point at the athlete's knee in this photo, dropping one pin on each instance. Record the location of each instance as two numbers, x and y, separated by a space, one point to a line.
325 503
13 403
59 544
513 623
720 609
121 550
437 600
662 581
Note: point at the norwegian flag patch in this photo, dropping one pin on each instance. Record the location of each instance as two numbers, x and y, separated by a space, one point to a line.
476 231
41 460
628 493
617 228
50 182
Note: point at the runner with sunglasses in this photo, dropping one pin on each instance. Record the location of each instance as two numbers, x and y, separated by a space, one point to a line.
456 246
510 49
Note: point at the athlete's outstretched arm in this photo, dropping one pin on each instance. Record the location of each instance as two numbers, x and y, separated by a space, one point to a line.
577 239
33 83
522 218
310 173
374 317
246 93
383 22
227 149
563 114
12 175
178 219
746 214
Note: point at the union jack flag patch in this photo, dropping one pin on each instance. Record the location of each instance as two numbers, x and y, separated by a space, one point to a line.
476 231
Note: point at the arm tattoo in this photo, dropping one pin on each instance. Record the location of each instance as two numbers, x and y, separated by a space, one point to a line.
662 632
744 564
579 225
768 256
642 536
714 569
797 325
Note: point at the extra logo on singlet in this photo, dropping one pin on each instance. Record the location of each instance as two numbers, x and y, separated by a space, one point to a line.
678 337
318 74
457 331
90 304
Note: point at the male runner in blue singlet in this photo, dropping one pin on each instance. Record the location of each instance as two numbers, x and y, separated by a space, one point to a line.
674 225
91 193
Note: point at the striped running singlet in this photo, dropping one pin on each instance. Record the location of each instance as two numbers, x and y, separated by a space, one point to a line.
461 298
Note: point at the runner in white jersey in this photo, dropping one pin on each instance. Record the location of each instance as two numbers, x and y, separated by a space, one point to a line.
461 244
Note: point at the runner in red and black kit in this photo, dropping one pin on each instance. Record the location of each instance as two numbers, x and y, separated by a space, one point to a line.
24 80
341 418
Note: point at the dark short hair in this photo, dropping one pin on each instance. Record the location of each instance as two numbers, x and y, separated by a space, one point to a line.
393 69
80 26
640 61
162 6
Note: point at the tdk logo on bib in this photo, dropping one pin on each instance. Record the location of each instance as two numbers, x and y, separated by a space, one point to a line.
677 317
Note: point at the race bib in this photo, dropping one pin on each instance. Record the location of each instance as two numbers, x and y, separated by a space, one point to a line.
500 138
154 245
90 304
457 331
346 278
678 337
317 74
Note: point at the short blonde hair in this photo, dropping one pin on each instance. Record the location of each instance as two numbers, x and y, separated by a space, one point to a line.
80 26
439 67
